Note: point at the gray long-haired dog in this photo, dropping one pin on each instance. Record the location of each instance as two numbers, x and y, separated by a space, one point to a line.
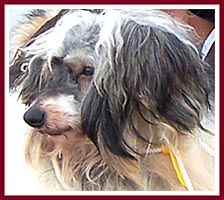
52 69
139 126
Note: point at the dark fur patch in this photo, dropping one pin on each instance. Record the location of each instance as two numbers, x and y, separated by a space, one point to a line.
101 120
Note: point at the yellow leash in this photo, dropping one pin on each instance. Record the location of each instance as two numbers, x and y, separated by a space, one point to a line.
176 166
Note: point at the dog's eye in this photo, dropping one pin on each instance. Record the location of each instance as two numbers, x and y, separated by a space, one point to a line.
24 67
88 71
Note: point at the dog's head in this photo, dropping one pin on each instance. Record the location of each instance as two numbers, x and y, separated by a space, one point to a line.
149 77
61 64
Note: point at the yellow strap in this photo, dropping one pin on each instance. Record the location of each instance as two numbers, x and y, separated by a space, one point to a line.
180 177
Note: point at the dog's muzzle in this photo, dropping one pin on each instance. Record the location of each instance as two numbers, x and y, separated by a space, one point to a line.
35 117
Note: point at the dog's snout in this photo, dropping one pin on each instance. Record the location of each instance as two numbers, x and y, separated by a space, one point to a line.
35 117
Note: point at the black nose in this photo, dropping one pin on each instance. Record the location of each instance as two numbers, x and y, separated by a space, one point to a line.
35 117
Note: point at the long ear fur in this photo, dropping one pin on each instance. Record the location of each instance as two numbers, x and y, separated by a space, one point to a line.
103 121
147 66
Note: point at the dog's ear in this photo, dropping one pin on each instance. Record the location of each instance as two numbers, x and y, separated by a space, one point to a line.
147 69
163 72
100 121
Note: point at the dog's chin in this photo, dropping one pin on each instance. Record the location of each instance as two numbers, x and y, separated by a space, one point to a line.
55 131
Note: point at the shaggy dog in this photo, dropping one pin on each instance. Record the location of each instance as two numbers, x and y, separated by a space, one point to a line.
53 70
138 125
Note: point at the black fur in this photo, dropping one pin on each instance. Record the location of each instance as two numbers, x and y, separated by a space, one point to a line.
102 120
